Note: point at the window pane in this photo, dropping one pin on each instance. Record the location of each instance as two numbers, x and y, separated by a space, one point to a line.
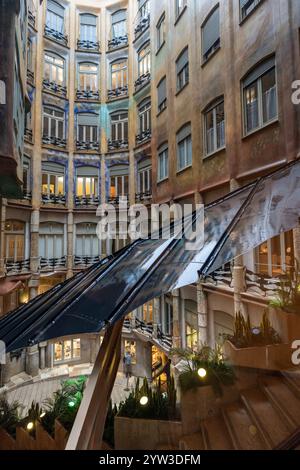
67 350
79 186
220 121
251 107
269 96
58 352
76 348
210 132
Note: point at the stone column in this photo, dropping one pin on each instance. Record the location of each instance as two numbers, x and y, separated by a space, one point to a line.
43 347
202 310
32 361
177 343
3 203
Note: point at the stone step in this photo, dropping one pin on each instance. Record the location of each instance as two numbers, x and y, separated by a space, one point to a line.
292 379
271 425
216 434
192 442
283 398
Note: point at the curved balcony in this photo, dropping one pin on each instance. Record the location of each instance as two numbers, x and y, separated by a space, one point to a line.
117 145
142 81
86 201
143 137
17 267
117 92
164 339
53 264
87 45
87 146
120 41
142 24
88 95
83 262
56 141
54 87
54 199
56 35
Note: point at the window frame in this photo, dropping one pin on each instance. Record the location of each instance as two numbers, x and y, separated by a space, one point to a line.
184 72
213 108
87 74
144 115
163 153
161 106
179 9
144 61
57 120
116 122
206 56
187 142
119 73
161 34
87 28
62 343
53 65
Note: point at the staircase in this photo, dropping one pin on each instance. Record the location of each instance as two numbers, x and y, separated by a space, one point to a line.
266 416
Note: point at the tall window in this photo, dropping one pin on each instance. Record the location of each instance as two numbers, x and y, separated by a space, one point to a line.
184 147
162 94
26 173
191 324
119 126
144 60
144 8
161 31
53 179
145 116
119 74
87 181
67 350
179 6
54 68
118 20
182 69
53 123
168 317
88 27
145 177
87 127
55 16
147 312
14 240
119 180
51 240
87 242
163 163
247 6
88 76
260 96
211 34
214 128
276 256
29 55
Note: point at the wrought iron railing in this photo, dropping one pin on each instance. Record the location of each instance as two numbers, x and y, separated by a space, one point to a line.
52 264
28 135
56 35
139 197
117 92
88 95
142 81
84 201
222 276
17 267
54 87
87 45
82 145
263 284
164 339
85 261
142 24
120 41
54 199
145 328
117 145
30 76
144 136
56 141
27 195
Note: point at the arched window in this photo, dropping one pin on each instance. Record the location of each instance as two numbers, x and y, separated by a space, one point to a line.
144 60
14 240
53 179
54 69
88 27
118 23
119 76
55 16
88 76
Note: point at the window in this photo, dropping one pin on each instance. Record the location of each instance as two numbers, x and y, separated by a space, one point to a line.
161 31
214 128
145 116
119 74
247 6
168 318
211 34
144 60
144 8
130 347
119 179
87 127
184 147
119 126
145 178
68 350
54 68
55 16
191 324
87 242
118 20
162 94
53 179
88 27
191 338
51 240
276 256
14 240
87 182
163 163
53 123
29 55
260 96
26 174
182 69
179 6
88 76
147 312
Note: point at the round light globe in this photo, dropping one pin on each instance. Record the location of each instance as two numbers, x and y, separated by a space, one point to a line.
30 426
202 373
144 401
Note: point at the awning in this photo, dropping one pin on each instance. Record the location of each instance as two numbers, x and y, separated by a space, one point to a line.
149 268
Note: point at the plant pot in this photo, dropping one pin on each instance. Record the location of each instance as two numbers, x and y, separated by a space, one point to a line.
287 324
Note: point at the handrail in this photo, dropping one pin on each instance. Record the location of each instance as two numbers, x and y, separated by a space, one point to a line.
88 428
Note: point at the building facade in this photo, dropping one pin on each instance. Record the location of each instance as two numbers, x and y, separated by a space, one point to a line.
177 101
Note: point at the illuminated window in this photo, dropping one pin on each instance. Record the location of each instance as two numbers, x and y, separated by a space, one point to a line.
147 312
54 68
88 76
144 60
191 338
130 346
87 181
276 256
14 240
119 74
67 350
53 179
119 179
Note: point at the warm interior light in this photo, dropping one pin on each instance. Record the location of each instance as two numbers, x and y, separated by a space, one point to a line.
144 401
202 373
30 426
42 414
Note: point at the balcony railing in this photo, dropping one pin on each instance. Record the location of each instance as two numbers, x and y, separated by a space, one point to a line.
262 284
222 276
56 141
27 195
164 339
86 45
85 201
144 136
82 145
117 92
52 264
28 135
145 328
88 95
54 87
142 81
85 261
31 13
142 24
118 42
30 76
54 199
117 145
17 267
142 197
116 200
56 35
